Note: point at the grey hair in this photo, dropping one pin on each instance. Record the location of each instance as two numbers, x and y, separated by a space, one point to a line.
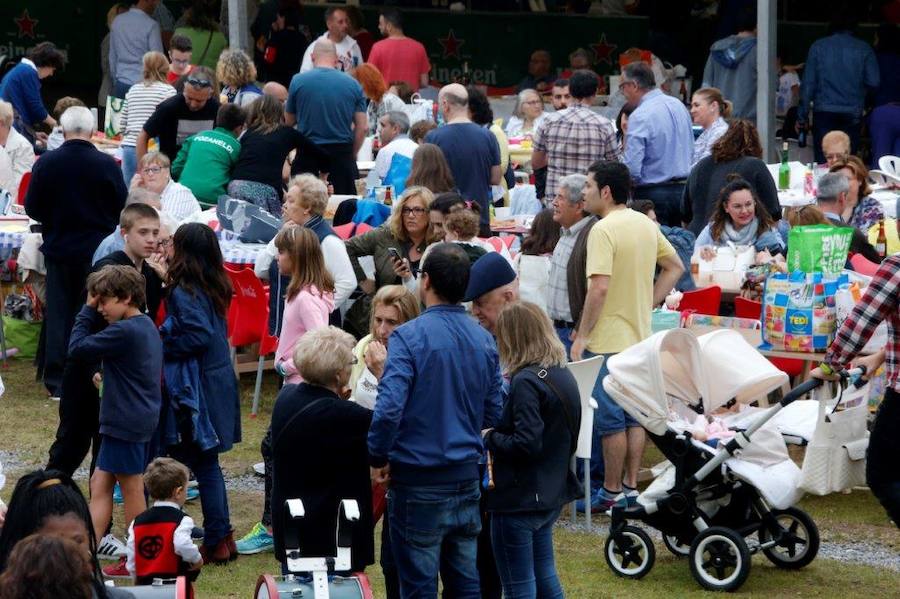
520 99
139 195
641 74
574 186
79 120
398 119
831 185
321 354
168 221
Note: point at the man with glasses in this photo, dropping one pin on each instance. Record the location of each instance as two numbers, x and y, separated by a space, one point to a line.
659 144
570 140
180 51
154 174
182 115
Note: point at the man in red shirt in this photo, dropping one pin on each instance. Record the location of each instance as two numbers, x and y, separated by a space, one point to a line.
398 57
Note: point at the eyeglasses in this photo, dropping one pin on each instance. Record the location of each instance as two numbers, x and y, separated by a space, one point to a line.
415 211
164 243
180 61
151 170
194 82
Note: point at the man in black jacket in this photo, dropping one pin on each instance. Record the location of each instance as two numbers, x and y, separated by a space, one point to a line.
76 193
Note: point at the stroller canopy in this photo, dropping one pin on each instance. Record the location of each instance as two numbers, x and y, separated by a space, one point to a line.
643 377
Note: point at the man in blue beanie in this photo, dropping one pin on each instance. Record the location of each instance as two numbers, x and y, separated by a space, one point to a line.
492 285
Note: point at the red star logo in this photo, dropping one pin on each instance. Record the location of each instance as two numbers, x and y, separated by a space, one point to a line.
451 45
26 24
603 50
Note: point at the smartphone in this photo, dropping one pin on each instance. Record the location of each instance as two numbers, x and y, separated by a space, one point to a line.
393 253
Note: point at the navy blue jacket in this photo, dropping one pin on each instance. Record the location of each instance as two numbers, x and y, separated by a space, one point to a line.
22 88
440 388
132 362
193 330
76 193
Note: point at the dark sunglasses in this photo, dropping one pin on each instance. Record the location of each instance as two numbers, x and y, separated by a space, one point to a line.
194 82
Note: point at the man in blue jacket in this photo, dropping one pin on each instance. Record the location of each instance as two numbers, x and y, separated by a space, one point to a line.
440 389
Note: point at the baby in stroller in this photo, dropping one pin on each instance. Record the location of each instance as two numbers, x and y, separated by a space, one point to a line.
715 505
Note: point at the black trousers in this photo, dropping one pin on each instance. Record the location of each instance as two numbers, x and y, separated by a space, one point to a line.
823 122
79 421
342 172
65 297
882 468
666 198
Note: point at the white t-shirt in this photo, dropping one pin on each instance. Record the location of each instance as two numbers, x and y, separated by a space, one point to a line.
402 145
348 53
784 100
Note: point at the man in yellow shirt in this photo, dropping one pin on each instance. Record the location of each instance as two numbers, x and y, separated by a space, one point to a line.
623 251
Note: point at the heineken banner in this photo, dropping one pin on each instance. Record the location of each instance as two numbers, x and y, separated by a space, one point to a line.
495 47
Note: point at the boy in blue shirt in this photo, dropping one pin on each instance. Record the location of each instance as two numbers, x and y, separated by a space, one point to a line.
131 397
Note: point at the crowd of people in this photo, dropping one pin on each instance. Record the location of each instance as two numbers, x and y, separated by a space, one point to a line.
419 359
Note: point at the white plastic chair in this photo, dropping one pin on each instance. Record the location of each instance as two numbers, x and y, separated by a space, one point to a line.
877 177
890 165
585 373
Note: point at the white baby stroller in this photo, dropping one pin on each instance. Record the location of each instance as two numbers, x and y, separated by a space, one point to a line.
717 506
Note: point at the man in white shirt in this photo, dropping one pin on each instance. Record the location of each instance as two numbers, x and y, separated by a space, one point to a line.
394 140
349 55
18 150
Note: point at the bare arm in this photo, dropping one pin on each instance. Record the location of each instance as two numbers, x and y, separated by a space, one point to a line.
672 269
290 119
140 146
496 175
538 159
598 287
360 126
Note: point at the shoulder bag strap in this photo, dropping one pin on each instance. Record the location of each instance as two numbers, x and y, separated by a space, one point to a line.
293 418
544 375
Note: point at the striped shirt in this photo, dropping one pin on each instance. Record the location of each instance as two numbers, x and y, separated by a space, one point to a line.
880 302
558 282
703 144
573 139
140 102
178 201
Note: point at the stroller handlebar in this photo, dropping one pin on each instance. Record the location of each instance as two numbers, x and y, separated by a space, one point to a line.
813 383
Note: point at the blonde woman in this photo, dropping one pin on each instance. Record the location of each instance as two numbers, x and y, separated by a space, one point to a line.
237 74
140 102
392 306
532 448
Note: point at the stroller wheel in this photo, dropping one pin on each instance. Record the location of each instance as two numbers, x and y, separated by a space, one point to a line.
630 553
676 547
720 559
798 539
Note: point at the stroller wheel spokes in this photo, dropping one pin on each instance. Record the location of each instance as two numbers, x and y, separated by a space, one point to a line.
675 546
630 552
720 559
796 539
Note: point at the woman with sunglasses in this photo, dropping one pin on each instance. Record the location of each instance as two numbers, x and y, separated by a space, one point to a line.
396 247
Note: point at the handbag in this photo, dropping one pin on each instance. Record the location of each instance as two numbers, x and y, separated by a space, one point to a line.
836 457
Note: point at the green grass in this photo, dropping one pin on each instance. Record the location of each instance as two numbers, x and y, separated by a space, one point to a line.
28 424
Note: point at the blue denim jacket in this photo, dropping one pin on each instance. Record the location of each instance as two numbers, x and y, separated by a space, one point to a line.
839 70
440 388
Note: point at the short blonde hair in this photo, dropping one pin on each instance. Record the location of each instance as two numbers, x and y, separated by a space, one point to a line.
395 296
838 138
321 354
396 222
235 68
156 68
157 158
313 192
6 113
525 337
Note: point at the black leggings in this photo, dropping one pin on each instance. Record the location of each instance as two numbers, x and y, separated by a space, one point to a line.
882 467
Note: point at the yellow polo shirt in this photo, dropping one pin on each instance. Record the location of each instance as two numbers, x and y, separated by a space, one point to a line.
625 245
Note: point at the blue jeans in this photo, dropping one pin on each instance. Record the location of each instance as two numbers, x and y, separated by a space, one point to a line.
563 334
214 499
523 547
129 163
434 529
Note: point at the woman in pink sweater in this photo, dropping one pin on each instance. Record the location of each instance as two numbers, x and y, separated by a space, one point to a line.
310 295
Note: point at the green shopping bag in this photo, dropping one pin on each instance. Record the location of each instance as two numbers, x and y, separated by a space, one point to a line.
818 248
23 335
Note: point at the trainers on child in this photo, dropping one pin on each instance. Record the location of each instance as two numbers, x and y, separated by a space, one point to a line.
192 493
258 540
110 548
631 496
259 468
117 570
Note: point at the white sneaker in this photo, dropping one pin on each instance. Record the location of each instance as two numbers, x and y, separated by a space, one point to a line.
110 548
259 468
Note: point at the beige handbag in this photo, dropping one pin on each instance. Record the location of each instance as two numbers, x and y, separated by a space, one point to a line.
836 457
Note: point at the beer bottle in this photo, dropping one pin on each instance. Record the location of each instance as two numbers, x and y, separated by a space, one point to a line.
881 242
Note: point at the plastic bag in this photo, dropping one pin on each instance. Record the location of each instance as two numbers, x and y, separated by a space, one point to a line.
818 248
398 173
799 312
23 335
845 300
248 221
112 125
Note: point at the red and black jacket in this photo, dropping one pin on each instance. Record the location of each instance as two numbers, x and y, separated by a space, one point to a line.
154 546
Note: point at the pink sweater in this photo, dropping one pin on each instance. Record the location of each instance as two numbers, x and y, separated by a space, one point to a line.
309 310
